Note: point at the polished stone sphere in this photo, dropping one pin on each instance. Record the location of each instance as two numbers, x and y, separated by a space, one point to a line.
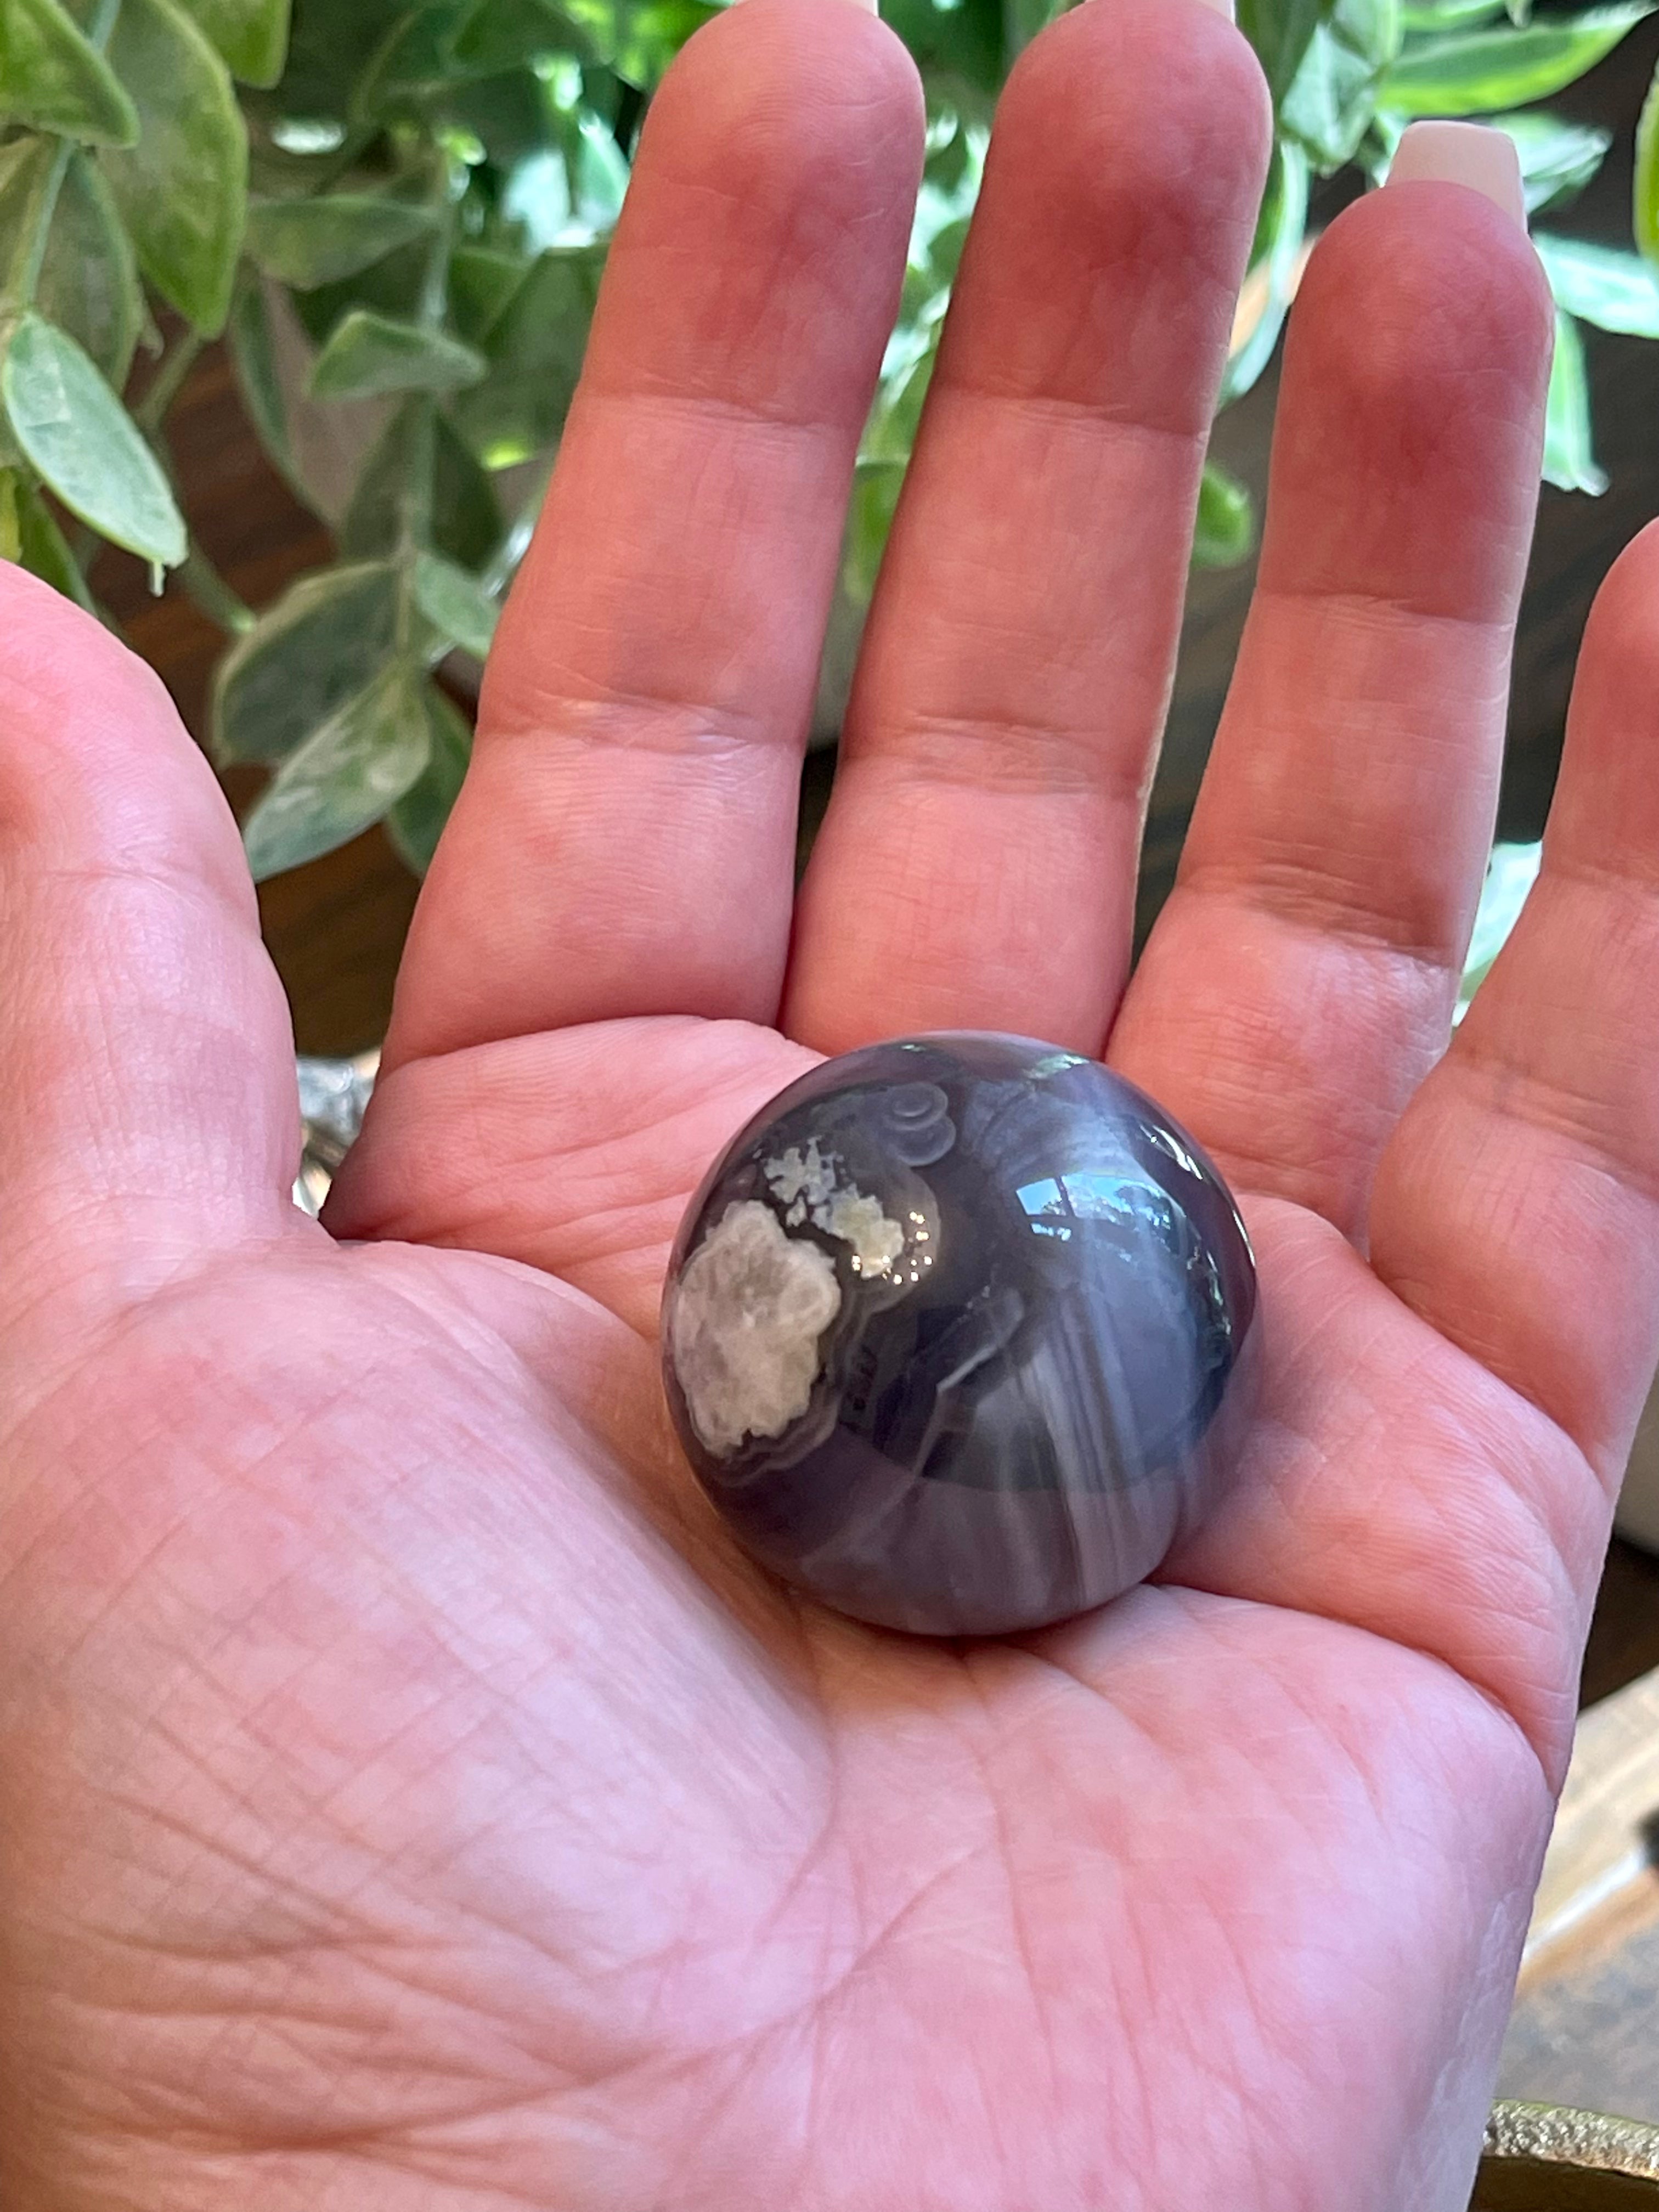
959 1335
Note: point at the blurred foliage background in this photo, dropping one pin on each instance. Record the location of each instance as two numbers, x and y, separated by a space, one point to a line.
398 214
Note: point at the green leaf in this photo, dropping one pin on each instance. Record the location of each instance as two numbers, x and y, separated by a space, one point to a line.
890 433
421 482
640 38
410 57
1480 71
1511 872
876 488
1568 461
51 78
248 333
502 34
79 438
513 116
26 168
318 241
959 51
1601 284
346 775
88 282
392 501
1281 31
43 550
11 542
1558 157
482 280
1280 228
251 36
416 822
1329 108
330 45
319 647
1646 191
395 285
535 355
1021 21
370 353
466 515
1225 528
455 603
1439 16
182 190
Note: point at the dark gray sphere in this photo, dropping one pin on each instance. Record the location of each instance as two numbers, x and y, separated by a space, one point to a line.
958 1335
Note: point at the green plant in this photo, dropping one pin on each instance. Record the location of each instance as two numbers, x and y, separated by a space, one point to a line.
1511 872
425 188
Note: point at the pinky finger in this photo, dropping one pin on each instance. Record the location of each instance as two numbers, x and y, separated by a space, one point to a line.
1517 1204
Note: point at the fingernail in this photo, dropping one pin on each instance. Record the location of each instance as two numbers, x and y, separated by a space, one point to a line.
1221 8
1462 154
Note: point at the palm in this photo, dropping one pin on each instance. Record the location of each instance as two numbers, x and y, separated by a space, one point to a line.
411 1798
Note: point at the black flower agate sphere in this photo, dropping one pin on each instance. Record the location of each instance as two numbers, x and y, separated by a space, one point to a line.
958 1335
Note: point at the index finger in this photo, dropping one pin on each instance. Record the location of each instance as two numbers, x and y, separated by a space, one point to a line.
624 843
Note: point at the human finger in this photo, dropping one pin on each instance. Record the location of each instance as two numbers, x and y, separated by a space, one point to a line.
1301 979
977 867
145 1051
624 841
1517 1204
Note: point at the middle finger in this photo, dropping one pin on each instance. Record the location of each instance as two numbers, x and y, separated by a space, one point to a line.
977 867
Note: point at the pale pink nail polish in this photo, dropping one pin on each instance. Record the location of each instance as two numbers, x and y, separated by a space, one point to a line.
1221 8
1469 153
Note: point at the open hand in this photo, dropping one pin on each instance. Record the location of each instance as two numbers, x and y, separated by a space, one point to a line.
408 1801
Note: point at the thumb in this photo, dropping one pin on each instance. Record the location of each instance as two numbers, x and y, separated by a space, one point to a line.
146 1059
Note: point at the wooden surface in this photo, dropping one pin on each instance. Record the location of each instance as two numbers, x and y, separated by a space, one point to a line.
1585 2028
1548 2159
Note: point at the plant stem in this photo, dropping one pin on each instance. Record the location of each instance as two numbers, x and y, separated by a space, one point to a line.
415 506
40 215
213 594
435 285
152 409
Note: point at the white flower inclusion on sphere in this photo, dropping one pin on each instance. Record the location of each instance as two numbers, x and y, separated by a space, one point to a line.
752 1302
749 1309
807 1184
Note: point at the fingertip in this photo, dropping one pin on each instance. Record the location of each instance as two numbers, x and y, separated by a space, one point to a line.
1445 266
1158 57
819 35
800 121
1125 172
1411 410
1628 593
65 676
